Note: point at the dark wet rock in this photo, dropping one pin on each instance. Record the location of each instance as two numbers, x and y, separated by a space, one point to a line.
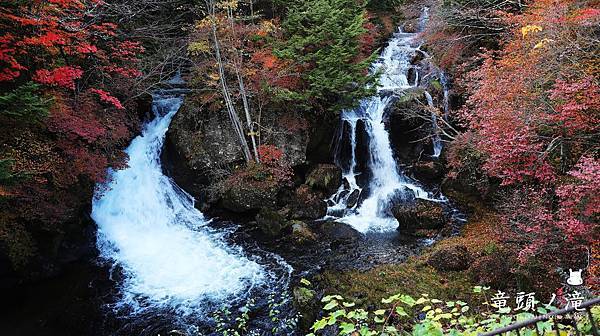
325 177
411 26
307 204
450 258
301 233
353 198
271 223
420 214
471 182
417 57
412 75
321 139
428 171
346 183
406 129
340 196
343 146
200 148
363 155
340 233
289 133
243 198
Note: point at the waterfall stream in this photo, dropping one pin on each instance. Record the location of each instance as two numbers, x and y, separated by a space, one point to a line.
148 228
435 137
367 208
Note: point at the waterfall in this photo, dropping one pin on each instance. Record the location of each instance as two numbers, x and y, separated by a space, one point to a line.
445 87
149 229
435 137
386 182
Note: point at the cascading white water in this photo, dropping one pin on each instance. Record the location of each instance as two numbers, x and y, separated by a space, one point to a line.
387 181
149 227
436 140
445 87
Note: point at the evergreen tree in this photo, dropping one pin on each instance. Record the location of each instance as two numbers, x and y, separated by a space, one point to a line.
323 38
25 103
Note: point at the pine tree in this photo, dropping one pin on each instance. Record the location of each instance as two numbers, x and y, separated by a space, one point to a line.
323 37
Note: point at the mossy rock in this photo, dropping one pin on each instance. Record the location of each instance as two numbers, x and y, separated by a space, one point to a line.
307 304
450 258
301 233
325 177
421 214
243 198
271 223
307 204
413 278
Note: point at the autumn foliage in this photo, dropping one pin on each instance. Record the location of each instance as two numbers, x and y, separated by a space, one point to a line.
533 117
71 70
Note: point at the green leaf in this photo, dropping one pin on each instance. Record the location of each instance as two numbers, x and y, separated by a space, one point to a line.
400 311
390 299
305 282
320 324
331 297
421 300
426 308
338 313
379 312
436 301
408 300
348 304
331 305
346 328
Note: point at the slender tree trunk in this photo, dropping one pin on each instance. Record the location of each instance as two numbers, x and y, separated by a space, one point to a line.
238 65
233 116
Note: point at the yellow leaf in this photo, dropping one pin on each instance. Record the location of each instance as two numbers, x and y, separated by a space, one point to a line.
530 29
198 47
542 43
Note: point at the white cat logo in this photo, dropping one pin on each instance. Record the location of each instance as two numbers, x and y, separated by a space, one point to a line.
574 278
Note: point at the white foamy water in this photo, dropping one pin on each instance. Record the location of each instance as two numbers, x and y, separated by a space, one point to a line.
386 182
149 227
436 140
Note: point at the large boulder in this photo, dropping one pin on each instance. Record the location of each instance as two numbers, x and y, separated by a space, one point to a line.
241 198
500 262
301 233
407 130
325 177
200 147
307 204
287 132
353 198
450 258
340 233
428 171
420 214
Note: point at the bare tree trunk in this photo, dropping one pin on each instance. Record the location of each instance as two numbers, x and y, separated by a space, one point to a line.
233 116
238 62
